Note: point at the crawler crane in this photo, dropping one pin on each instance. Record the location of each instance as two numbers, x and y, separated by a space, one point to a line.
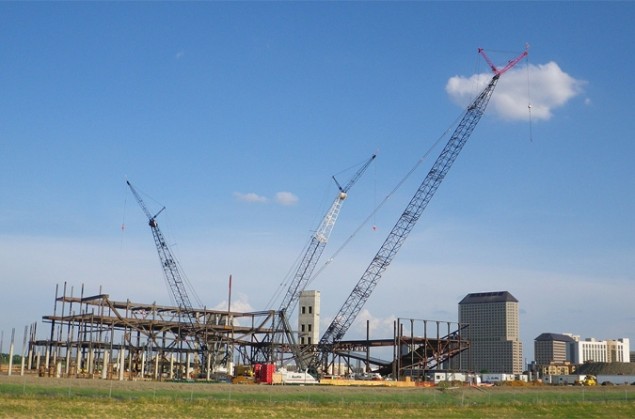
310 258
397 236
173 278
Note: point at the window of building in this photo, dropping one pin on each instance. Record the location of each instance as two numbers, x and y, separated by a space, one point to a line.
309 327
303 310
302 327
310 309
308 340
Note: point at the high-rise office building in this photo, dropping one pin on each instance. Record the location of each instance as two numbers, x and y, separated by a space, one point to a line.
493 332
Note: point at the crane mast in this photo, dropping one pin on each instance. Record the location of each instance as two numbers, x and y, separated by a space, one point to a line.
318 242
397 236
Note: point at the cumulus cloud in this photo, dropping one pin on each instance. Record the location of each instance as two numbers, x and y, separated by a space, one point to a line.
281 198
240 304
544 87
376 324
286 198
250 197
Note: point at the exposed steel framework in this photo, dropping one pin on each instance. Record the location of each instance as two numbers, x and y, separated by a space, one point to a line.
98 337
95 336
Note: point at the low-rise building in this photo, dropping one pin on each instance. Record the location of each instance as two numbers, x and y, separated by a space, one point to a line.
555 350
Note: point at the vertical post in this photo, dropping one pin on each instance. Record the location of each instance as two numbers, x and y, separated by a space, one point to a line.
1 346
11 351
156 366
31 341
412 349
104 370
23 351
50 345
395 351
122 358
367 346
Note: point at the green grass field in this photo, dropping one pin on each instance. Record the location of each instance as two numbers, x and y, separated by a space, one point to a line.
46 397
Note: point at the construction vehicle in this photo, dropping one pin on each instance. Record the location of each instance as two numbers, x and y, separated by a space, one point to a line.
397 236
589 380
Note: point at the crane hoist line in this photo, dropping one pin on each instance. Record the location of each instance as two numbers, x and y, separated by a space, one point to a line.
397 236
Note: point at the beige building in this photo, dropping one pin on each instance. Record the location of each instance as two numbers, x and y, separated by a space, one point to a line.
309 317
493 332
553 348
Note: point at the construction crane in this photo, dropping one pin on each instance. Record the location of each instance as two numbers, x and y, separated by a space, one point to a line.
307 265
397 236
168 262
318 242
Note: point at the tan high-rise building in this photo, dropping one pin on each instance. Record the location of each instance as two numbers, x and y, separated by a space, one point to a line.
493 332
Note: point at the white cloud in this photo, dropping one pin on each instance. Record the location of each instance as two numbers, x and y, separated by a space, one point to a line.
239 304
377 325
250 197
286 198
281 198
544 87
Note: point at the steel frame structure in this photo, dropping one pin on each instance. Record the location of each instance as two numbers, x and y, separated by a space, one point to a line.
97 337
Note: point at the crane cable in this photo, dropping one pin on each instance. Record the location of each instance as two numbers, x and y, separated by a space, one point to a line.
290 275
531 137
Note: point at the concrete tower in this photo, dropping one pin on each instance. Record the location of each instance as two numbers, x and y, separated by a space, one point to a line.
309 317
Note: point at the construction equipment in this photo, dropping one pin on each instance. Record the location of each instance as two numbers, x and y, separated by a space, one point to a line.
168 262
173 278
317 243
589 380
397 236
310 258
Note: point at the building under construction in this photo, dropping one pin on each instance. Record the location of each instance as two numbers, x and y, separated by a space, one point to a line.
95 337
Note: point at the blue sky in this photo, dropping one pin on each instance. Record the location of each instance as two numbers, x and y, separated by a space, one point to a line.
236 115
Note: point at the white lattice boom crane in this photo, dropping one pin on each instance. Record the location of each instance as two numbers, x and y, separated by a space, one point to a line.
317 244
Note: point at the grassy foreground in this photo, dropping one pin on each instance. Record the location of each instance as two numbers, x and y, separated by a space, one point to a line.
46 397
